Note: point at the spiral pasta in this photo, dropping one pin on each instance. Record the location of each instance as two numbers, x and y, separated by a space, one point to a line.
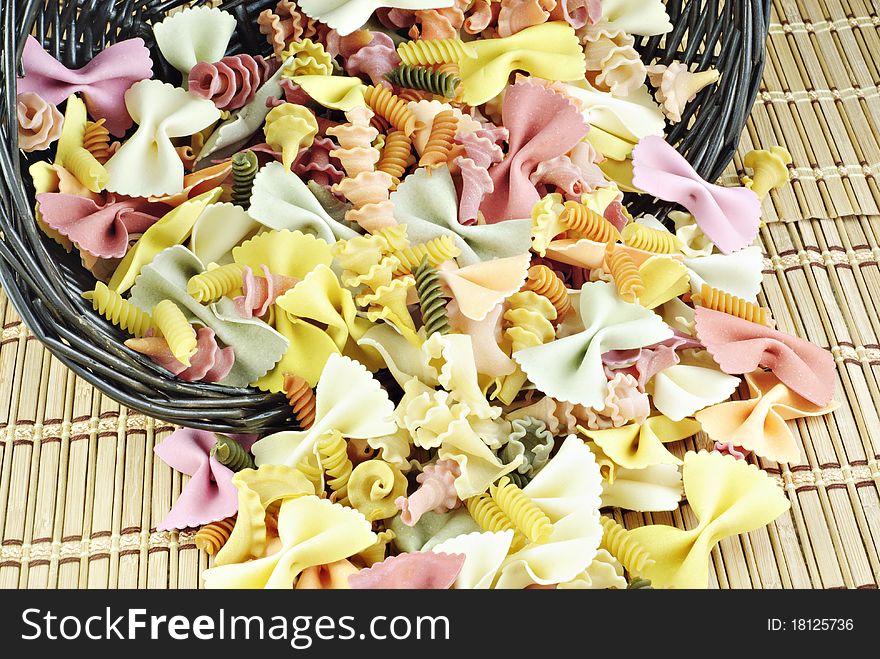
626 275
210 285
389 106
718 300
427 52
587 223
231 454
211 537
302 399
647 239
616 541
396 156
334 459
438 250
118 310
244 170
180 335
96 140
543 281
488 515
86 168
432 299
525 515
425 79
440 141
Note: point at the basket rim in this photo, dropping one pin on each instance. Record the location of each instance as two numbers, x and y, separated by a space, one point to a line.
43 290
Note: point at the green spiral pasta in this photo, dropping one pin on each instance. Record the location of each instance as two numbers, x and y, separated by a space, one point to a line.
118 310
639 584
244 169
329 202
424 79
522 511
432 299
231 454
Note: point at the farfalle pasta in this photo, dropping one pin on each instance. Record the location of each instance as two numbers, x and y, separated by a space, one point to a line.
483 348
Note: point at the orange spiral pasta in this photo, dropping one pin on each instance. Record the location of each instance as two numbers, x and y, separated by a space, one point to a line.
302 399
414 95
587 223
440 141
650 240
626 274
718 300
396 156
392 108
211 537
96 140
546 283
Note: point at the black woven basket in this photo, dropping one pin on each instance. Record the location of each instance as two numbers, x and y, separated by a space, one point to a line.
45 284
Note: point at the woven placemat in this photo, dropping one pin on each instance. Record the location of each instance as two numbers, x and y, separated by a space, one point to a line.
80 492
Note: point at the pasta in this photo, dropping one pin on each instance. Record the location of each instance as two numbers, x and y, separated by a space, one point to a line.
119 311
211 537
231 82
301 398
289 128
180 335
435 81
39 122
211 285
439 146
96 140
396 156
618 542
429 52
308 58
391 108
244 170
523 513
718 300
231 454
436 251
645 238
374 486
587 223
334 460
432 299
489 516
543 281
626 275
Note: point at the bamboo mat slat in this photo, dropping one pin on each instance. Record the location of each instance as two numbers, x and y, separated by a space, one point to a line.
81 495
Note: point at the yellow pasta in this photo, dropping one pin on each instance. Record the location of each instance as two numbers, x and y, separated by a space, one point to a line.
211 285
211 537
427 52
616 541
376 553
118 310
489 517
647 239
438 250
96 140
391 107
584 222
525 515
718 300
180 335
626 275
440 141
396 156
546 283
394 238
334 459
87 170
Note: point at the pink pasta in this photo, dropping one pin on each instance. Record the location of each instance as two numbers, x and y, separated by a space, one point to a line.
260 293
232 82
39 122
210 363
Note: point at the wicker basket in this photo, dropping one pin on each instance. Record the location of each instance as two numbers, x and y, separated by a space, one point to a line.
45 284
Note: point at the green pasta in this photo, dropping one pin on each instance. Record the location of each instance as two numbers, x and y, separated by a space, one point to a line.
531 440
329 202
424 79
231 454
244 169
640 584
432 299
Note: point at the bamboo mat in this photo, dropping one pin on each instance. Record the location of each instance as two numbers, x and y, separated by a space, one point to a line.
81 494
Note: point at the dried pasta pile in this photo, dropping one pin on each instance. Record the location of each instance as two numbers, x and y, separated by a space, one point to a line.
413 225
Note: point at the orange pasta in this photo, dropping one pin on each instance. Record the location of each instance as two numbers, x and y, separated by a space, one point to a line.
543 281
96 140
718 300
440 141
396 156
587 223
302 399
626 274
392 108
211 537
